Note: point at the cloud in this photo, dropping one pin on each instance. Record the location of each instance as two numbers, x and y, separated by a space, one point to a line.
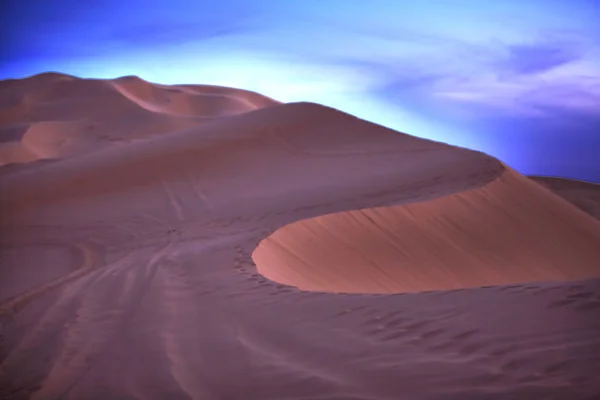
531 81
567 101
540 57
158 33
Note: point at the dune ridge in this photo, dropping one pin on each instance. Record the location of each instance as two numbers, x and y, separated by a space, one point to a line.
126 268
67 116
276 150
508 231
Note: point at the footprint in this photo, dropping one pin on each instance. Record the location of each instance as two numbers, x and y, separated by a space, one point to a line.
502 351
465 335
394 335
447 292
533 287
393 314
543 290
561 303
487 378
375 331
348 310
556 367
579 380
592 305
470 349
417 325
508 287
279 291
513 365
442 346
581 295
395 322
535 377
432 334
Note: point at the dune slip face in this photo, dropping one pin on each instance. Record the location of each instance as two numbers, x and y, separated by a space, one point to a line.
200 242
508 231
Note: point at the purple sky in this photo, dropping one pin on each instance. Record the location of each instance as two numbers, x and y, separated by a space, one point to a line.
518 79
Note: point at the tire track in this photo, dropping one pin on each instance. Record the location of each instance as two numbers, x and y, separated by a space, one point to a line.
91 261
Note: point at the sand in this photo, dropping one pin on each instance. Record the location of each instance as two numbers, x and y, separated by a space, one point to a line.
128 255
584 195
508 231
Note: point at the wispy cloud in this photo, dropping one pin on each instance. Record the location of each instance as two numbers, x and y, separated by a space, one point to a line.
541 57
158 33
572 97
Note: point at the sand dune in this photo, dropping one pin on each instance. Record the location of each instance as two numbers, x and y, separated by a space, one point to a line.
508 231
584 195
65 116
277 151
126 266
198 100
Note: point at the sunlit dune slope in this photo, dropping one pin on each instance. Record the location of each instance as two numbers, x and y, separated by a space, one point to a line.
508 231
190 100
584 195
58 116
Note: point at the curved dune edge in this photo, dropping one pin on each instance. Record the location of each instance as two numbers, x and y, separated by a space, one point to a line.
509 231
16 153
193 100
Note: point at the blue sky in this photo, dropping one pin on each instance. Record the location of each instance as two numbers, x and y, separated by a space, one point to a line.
518 79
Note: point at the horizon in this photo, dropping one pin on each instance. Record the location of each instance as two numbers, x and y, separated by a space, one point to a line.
520 82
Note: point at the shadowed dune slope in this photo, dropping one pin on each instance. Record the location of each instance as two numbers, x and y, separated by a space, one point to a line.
59 116
509 231
584 195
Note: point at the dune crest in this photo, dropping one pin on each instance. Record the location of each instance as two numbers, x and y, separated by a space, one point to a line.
198 100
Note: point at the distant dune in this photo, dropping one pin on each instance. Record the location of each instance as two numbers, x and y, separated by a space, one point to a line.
584 195
131 213
55 116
